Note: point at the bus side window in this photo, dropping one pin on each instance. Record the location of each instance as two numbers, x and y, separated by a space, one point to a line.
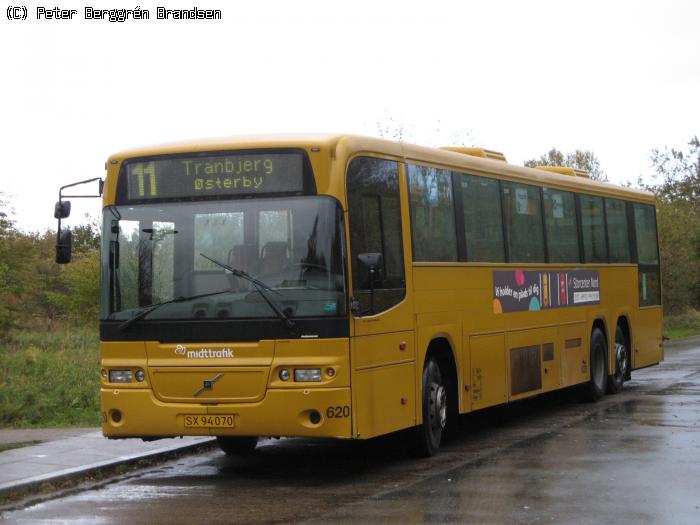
523 217
618 233
647 255
374 211
593 228
432 214
560 220
483 223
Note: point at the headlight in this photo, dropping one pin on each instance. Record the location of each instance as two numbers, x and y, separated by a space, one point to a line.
120 376
307 374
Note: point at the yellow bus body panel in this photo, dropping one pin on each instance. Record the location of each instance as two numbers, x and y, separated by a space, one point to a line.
250 388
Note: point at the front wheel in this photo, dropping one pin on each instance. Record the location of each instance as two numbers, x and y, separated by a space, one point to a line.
237 445
434 401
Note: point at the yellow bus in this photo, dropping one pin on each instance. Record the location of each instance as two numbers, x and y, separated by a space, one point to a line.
350 287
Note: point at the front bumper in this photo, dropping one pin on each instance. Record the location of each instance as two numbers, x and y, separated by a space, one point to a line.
280 413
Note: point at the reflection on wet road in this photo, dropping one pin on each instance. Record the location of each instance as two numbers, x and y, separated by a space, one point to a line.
633 458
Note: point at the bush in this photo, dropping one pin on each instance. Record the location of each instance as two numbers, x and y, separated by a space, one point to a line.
679 247
33 287
683 324
50 378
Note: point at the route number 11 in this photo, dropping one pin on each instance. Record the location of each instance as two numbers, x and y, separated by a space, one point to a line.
146 172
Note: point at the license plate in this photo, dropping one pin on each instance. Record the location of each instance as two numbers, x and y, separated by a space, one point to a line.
199 421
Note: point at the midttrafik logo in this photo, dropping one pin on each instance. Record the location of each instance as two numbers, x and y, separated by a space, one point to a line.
203 353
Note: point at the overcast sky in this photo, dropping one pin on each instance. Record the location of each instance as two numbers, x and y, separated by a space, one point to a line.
618 78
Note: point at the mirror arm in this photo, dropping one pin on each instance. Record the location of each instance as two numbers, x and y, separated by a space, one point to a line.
100 189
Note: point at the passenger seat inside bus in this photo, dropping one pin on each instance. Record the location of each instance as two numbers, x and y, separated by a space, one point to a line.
274 257
243 257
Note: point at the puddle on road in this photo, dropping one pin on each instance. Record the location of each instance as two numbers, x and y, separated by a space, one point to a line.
680 389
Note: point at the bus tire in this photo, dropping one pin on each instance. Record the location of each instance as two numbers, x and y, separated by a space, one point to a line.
434 404
237 445
622 359
594 389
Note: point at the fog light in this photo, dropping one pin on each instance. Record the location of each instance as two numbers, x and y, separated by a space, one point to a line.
140 375
120 376
314 417
104 373
116 416
330 372
284 374
307 374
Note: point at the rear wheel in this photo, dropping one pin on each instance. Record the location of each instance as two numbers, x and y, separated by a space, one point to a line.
622 360
434 401
237 445
595 388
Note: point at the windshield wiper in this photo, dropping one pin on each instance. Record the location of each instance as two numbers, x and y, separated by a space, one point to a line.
143 313
260 287
241 274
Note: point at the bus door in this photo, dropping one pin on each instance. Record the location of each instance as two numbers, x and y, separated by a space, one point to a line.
382 344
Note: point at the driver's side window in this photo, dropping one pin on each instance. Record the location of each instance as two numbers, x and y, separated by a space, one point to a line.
375 227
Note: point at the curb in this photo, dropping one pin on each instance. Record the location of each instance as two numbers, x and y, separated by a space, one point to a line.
12 492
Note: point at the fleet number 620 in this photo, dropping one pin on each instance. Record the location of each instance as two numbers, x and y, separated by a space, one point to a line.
338 411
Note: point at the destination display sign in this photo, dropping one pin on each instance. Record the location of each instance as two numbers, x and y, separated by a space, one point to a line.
215 175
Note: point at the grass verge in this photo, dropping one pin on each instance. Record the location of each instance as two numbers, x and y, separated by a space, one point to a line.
682 325
49 378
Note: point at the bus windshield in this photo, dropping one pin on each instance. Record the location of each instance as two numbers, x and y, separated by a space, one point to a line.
197 259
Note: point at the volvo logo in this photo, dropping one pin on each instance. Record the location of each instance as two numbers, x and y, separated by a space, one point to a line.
208 384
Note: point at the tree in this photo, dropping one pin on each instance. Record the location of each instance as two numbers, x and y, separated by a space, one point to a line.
580 159
442 135
76 295
392 130
33 288
10 267
6 224
86 237
679 173
677 189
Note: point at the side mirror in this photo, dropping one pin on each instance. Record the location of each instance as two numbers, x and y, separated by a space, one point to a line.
371 270
61 210
64 246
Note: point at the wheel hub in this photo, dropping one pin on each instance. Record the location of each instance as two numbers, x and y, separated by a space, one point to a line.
438 413
621 356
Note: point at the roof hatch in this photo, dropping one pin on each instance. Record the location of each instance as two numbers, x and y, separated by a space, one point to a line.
477 152
564 170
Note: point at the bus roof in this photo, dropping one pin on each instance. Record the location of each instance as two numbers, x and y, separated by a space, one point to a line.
339 145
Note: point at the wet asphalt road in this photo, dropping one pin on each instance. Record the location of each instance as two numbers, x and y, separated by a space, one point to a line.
631 458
